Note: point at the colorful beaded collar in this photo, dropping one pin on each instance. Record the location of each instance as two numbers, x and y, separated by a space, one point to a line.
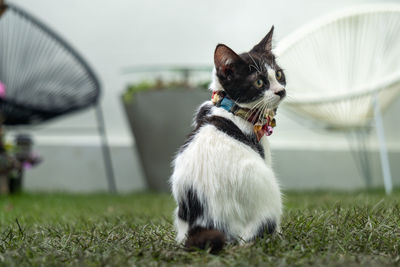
263 125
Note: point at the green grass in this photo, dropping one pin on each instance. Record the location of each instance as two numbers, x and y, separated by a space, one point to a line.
317 229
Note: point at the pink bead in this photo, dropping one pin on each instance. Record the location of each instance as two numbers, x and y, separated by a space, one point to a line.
2 90
269 131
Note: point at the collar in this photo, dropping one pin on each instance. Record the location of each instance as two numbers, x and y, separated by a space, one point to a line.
263 125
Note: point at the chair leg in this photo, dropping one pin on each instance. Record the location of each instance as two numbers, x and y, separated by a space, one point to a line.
357 141
387 177
106 150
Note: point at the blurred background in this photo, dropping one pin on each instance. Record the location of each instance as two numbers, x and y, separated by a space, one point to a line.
126 42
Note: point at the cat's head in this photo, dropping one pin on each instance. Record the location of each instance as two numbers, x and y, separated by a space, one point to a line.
252 79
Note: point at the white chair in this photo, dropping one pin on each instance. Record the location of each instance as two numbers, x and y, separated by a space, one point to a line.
344 69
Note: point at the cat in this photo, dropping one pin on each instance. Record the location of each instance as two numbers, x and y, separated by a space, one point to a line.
222 180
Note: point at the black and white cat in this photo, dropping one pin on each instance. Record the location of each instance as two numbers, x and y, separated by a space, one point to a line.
223 181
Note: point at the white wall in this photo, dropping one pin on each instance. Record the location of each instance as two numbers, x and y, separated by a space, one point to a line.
113 35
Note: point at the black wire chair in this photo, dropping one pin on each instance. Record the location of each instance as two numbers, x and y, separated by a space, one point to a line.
41 76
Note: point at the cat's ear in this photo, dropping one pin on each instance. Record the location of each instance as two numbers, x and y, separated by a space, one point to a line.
265 44
225 60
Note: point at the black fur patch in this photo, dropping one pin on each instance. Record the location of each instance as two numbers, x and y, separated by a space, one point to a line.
190 208
268 227
228 127
203 113
204 238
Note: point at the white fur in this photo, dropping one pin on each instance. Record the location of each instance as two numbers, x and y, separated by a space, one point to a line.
215 84
181 226
238 187
275 86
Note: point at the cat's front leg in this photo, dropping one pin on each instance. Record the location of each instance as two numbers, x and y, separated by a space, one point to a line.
181 226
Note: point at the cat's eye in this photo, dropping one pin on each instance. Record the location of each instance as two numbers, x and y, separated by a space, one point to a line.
279 75
259 83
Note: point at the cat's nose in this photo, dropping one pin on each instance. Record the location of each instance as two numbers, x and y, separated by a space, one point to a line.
281 93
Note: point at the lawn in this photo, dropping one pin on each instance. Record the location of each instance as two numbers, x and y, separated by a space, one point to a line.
318 228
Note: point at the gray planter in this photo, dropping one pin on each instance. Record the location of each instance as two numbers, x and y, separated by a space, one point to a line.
160 122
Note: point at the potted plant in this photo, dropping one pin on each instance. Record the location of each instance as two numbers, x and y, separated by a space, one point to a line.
14 160
160 115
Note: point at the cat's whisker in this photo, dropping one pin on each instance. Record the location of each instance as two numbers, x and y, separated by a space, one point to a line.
255 67
260 113
259 104
268 103
290 96
255 63
255 105
254 109
260 66
264 108
259 109
249 114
